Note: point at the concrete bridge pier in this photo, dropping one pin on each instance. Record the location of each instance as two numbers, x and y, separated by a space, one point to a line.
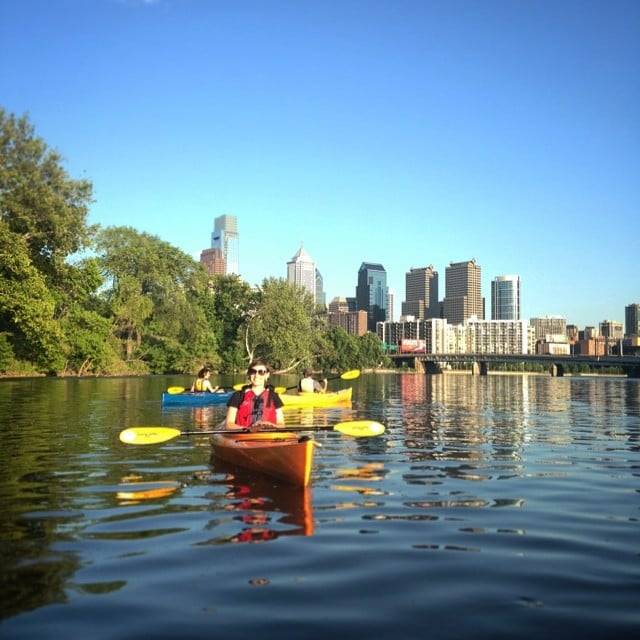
632 372
479 368
556 370
432 368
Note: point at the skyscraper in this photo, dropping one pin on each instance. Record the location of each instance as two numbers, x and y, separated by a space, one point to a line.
371 293
632 320
320 296
421 295
301 271
463 294
391 298
225 238
213 261
505 298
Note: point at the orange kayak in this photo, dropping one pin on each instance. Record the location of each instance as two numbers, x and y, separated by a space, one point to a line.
283 455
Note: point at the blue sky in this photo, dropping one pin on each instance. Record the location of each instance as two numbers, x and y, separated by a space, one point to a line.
392 131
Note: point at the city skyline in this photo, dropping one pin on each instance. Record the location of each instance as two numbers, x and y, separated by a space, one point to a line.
409 134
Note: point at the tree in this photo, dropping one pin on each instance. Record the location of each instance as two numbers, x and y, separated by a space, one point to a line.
232 304
281 330
39 202
342 353
155 296
371 351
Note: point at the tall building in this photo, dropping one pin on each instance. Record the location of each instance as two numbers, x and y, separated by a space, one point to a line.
632 320
213 261
321 300
611 329
463 294
353 322
549 326
371 293
339 305
421 293
225 238
391 300
505 298
301 271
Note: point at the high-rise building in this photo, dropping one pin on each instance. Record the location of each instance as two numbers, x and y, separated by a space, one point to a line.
632 320
421 295
371 293
353 322
321 300
463 293
549 326
225 238
213 261
505 298
301 271
338 305
611 329
391 298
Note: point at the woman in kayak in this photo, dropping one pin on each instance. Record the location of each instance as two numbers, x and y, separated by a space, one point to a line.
202 382
257 404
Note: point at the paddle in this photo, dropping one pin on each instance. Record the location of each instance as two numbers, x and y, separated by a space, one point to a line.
347 375
155 435
175 390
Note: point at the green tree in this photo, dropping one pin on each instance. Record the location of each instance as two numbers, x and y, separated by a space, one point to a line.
342 351
281 330
230 307
371 351
38 200
155 293
27 305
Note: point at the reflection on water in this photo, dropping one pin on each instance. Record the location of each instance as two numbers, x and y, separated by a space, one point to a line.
509 500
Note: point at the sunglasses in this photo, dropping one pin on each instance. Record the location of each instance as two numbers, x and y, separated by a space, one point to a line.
258 372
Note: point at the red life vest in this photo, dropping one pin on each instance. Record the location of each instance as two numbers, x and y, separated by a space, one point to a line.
245 410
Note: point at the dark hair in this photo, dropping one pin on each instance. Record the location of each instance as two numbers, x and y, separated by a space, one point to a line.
203 372
307 373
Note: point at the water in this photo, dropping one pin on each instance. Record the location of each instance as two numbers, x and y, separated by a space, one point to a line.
492 507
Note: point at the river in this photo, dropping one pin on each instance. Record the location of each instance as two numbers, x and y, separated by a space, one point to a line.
504 506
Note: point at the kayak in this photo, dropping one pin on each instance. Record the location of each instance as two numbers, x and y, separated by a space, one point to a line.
316 399
283 455
196 398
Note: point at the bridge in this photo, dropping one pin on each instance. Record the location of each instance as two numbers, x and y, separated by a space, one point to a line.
432 363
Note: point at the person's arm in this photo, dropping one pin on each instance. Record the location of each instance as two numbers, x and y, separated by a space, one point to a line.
193 386
232 412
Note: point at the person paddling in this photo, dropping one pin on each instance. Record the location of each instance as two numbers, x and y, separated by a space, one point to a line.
308 384
202 382
257 404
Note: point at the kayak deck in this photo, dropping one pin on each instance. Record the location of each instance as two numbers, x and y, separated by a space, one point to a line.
196 398
317 399
283 455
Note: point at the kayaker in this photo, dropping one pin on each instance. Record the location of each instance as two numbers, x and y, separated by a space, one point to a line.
308 384
202 382
257 404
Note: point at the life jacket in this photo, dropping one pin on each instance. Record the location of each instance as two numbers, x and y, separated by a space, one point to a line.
199 385
246 414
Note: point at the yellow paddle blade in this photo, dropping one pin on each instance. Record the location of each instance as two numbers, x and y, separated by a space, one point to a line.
351 375
239 385
174 390
148 435
360 428
280 389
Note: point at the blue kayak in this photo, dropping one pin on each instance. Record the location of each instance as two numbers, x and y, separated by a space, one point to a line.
196 399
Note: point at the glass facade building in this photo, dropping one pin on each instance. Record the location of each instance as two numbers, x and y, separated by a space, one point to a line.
372 293
505 298
225 237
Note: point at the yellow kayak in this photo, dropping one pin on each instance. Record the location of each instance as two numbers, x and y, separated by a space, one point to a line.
298 400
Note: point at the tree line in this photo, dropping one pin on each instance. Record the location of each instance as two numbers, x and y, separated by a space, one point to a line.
78 299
